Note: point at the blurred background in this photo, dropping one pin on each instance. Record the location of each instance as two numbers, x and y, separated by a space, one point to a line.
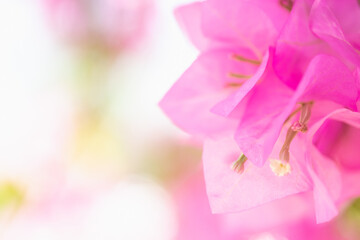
85 151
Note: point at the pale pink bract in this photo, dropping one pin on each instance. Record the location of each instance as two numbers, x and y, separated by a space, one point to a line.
288 218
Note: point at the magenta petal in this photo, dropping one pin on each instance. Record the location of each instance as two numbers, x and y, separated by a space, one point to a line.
347 13
227 106
330 80
229 191
325 208
332 180
296 46
189 19
338 140
357 78
273 9
239 22
204 84
325 25
327 182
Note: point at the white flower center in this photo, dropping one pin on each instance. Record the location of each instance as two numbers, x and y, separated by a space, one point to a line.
280 168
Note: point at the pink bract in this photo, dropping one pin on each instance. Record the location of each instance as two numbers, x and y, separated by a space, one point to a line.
225 27
334 141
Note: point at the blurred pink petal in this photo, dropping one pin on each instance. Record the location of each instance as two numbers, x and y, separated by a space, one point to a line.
116 24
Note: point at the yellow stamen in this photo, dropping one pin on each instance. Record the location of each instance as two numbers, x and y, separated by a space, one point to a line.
238 166
297 126
241 76
284 152
292 115
233 84
244 59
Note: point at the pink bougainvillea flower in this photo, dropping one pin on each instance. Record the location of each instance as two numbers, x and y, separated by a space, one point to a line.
284 81
113 23
234 39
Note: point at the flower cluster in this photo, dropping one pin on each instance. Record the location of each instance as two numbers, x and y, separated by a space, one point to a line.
274 94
